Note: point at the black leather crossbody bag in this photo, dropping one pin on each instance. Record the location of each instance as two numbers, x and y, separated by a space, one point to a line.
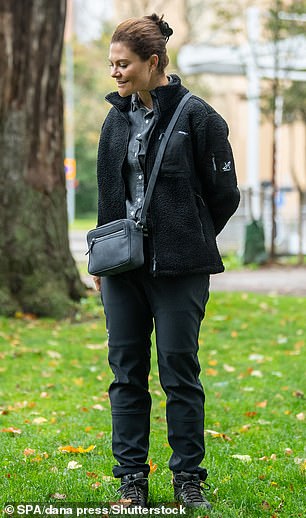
117 246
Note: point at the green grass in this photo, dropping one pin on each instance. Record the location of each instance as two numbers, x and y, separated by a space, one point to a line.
253 367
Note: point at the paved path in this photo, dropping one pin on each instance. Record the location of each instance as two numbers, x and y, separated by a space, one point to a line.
282 280
279 280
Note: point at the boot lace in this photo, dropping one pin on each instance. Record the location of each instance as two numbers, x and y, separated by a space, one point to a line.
132 490
192 491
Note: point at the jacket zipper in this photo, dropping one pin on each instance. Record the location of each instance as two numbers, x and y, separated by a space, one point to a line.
214 162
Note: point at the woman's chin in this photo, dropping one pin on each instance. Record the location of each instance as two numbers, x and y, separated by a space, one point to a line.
124 92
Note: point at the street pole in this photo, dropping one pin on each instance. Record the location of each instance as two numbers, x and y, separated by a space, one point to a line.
253 94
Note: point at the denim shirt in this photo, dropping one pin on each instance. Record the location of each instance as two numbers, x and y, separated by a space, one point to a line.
142 122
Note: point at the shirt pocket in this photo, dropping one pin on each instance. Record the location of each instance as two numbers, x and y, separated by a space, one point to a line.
177 159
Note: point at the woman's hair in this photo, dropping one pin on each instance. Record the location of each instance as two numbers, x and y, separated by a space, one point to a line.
145 36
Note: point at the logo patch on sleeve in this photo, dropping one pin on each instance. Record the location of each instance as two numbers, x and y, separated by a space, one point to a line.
227 166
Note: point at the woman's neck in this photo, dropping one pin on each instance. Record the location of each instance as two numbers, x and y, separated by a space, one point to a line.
146 97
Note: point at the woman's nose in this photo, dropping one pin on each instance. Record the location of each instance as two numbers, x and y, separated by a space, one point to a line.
115 72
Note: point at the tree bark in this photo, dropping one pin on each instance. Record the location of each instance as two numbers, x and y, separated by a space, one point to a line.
37 272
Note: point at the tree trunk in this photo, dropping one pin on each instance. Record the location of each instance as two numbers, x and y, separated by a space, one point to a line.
37 272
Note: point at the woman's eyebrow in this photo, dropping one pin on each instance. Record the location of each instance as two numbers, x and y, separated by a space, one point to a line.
118 60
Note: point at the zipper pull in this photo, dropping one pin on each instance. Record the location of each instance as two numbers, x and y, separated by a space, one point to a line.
90 246
154 264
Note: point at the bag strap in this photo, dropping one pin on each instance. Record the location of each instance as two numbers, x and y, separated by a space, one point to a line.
159 157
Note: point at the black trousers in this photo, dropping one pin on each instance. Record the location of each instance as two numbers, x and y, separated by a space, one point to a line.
134 302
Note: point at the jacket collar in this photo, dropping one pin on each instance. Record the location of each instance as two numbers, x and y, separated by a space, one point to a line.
166 96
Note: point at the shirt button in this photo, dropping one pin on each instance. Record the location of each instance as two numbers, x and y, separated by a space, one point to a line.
139 200
135 154
147 121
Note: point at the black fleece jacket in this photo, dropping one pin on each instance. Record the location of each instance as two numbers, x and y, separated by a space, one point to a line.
196 189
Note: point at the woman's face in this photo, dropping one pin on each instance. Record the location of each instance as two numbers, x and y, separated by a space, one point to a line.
130 72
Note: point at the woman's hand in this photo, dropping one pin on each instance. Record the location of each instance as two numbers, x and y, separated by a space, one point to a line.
97 281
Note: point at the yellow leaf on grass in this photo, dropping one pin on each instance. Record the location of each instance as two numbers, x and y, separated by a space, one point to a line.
211 372
217 435
212 363
262 404
153 467
39 420
78 449
300 416
11 430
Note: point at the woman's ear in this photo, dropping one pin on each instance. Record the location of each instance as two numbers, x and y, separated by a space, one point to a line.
154 62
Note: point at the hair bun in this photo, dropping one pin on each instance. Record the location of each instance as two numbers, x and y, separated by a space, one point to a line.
165 29
163 26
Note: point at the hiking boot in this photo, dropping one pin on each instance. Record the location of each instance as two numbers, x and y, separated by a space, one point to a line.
134 487
188 490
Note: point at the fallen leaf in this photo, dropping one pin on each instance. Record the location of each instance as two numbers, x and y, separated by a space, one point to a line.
265 504
298 393
39 420
274 483
245 428
288 451
79 382
217 435
250 414
78 449
228 368
73 464
91 474
273 456
303 465
262 404
257 374
211 372
256 357
153 467
55 355
244 458
28 451
98 407
264 458
95 485
11 430
212 363
299 460
58 496
300 416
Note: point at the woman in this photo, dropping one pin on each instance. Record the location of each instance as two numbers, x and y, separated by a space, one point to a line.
194 196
